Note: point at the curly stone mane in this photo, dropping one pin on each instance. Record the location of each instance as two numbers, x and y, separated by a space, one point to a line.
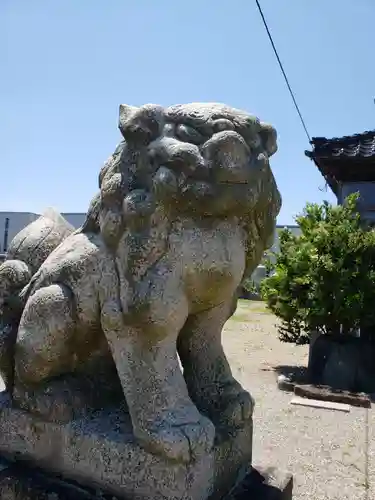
163 170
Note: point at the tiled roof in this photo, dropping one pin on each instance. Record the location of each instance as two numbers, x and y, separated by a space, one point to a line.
358 146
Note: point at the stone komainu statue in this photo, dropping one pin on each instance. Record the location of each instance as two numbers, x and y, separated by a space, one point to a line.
186 207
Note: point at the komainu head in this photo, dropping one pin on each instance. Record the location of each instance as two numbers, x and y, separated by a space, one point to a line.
199 160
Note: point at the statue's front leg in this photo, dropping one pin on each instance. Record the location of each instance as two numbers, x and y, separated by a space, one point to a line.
165 420
207 372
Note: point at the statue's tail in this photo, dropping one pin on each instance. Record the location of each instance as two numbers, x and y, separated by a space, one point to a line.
8 336
26 253
14 284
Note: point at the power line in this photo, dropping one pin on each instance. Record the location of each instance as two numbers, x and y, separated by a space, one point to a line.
282 70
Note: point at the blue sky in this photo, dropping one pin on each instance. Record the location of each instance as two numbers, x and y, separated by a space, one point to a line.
67 65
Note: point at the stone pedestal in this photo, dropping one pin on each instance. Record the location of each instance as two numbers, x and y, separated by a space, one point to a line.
19 482
342 362
99 451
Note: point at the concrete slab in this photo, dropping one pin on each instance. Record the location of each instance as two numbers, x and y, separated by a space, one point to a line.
314 403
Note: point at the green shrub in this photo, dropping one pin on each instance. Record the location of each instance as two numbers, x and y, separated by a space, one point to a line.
250 286
324 279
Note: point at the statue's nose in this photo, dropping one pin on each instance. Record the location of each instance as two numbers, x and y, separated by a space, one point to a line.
179 156
230 154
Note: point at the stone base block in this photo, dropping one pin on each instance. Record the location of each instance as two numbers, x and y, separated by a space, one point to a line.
18 482
342 362
99 451
326 393
264 483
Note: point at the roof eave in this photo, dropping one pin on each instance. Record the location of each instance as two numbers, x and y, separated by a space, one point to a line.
330 180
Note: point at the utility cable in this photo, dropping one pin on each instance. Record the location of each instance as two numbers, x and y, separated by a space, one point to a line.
282 70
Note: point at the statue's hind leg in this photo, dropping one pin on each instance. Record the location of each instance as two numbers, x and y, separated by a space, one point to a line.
206 369
43 348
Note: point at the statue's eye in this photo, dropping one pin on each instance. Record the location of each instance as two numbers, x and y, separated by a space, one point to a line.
169 129
222 124
189 134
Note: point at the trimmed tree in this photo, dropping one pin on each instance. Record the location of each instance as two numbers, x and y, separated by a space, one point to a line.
324 279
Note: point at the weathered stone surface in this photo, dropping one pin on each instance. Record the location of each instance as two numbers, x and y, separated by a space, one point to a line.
99 451
343 363
285 383
341 366
36 241
21 482
326 393
264 483
26 252
186 207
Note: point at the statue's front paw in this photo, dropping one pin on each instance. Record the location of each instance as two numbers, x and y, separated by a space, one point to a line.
238 409
184 443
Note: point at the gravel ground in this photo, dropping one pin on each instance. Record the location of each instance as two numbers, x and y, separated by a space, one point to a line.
328 452
371 456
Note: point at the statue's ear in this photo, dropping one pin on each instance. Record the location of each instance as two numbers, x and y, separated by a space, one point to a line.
125 113
141 125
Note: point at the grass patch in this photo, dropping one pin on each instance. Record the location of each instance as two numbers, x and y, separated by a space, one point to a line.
242 318
261 310
252 306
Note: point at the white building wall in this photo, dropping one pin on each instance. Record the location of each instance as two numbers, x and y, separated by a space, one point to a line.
276 244
75 219
19 220
260 272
